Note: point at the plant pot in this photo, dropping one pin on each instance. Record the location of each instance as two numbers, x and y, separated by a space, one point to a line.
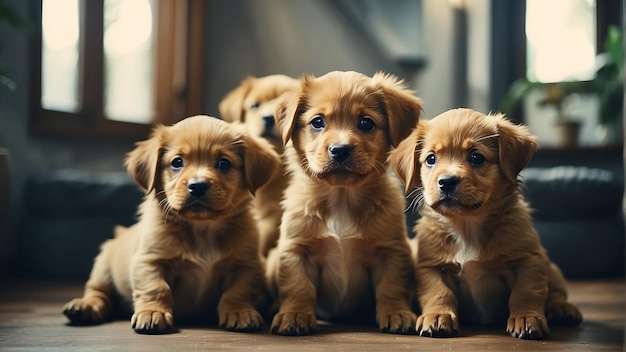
567 134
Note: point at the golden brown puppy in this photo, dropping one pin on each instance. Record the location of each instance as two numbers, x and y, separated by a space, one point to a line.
478 255
194 249
253 103
343 245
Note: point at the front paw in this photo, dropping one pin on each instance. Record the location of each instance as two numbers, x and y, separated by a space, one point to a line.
528 327
402 322
86 311
241 320
563 314
152 322
437 325
294 324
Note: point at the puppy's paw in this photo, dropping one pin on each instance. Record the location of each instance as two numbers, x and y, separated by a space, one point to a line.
152 322
528 327
402 322
241 320
294 324
437 325
86 311
563 314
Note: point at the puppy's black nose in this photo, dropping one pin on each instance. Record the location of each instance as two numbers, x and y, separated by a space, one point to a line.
448 183
197 188
268 121
340 152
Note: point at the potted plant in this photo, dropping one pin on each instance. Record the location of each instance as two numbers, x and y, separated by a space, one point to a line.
607 84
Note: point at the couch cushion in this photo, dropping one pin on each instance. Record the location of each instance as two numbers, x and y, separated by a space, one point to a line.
571 192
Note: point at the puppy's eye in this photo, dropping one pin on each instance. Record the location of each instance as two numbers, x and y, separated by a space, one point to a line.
431 160
177 163
318 124
366 124
224 165
255 106
476 159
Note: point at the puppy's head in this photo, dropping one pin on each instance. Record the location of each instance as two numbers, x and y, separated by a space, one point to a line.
343 124
464 160
253 102
201 168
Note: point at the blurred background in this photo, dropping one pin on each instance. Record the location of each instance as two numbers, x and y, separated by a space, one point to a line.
82 80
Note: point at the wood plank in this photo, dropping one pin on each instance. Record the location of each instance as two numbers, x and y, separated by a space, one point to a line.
30 318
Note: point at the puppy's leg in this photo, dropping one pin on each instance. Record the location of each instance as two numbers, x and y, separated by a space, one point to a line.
152 298
95 305
297 294
236 308
439 305
527 302
392 280
558 310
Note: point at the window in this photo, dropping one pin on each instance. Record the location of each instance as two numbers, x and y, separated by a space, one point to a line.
560 40
113 67
563 38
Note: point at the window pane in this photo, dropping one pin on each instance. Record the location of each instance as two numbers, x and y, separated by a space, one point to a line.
60 58
561 40
128 60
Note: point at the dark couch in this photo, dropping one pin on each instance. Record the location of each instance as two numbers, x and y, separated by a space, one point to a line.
69 213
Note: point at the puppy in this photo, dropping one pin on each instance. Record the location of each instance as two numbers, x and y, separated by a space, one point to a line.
478 255
253 103
195 246
343 245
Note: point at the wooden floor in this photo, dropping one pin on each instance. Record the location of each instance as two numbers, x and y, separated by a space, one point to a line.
31 320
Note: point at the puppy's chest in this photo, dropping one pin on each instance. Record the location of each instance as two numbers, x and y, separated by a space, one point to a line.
343 272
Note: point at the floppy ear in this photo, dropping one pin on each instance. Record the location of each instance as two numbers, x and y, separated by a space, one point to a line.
402 107
143 162
261 162
517 146
286 111
404 159
231 107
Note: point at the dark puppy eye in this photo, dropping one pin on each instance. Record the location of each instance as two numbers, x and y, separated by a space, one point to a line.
366 124
177 163
476 159
318 124
224 165
431 160
254 106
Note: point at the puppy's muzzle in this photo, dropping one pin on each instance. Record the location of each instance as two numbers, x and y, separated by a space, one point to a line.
197 188
448 183
340 152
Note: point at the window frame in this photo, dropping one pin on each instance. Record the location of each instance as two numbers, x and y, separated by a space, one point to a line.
177 73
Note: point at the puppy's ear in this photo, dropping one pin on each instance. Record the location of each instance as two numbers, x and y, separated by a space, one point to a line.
286 111
517 146
143 162
260 162
404 159
231 107
402 107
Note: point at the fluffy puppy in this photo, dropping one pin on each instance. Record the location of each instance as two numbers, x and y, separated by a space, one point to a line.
343 245
253 103
478 255
194 249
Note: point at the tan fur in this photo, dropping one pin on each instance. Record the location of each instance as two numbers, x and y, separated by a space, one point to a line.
252 103
188 255
477 253
343 245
